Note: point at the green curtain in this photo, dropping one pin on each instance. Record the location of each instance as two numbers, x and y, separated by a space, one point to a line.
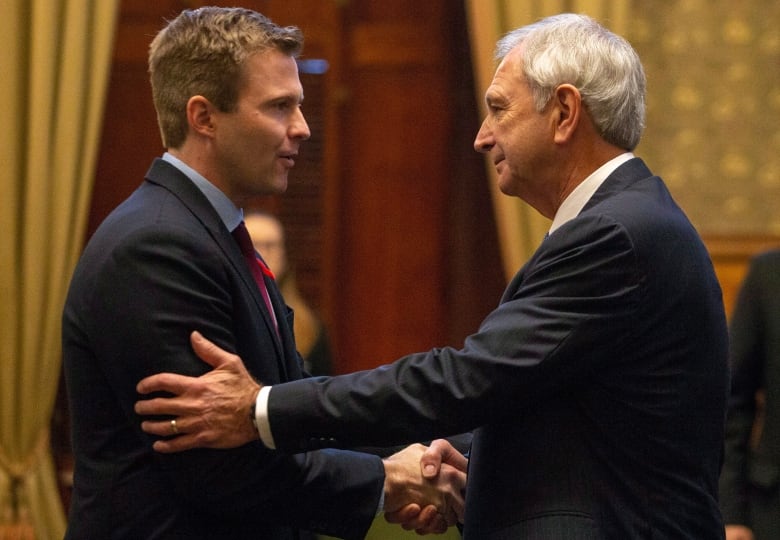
54 67
520 227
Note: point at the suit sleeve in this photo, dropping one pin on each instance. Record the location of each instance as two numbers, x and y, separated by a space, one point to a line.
747 365
156 287
577 294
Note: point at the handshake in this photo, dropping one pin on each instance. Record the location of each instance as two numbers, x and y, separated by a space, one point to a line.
424 487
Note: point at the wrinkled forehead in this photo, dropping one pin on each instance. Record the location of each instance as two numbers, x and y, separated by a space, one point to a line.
513 60
509 72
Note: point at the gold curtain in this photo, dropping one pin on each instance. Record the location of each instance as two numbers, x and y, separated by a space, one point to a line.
520 227
54 67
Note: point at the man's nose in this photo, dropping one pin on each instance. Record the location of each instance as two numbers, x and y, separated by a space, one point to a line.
484 140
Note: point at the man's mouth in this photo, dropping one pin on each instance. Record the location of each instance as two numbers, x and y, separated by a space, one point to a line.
289 159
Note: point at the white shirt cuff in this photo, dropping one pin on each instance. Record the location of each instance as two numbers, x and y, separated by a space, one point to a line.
261 417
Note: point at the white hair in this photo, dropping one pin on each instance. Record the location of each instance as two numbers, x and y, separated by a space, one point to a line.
575 49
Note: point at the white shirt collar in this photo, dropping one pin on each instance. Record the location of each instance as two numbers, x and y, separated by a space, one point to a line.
577 199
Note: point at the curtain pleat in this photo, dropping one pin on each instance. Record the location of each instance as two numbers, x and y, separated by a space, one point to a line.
55 71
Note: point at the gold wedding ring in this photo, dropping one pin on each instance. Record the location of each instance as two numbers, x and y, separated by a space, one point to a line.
174 428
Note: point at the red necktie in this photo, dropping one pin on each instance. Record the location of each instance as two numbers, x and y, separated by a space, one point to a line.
256 265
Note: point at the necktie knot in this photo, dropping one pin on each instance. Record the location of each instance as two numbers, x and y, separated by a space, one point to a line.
241 234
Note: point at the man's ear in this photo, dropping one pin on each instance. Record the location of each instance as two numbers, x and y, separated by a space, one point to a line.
200 115
568 105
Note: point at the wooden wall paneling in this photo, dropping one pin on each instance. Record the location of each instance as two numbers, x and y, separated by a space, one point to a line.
394 184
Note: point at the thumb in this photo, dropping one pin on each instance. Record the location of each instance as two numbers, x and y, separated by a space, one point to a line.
441 451
430 462
208 351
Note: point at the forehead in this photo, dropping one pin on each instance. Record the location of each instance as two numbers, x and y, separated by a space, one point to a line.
509 77
271 72
511 66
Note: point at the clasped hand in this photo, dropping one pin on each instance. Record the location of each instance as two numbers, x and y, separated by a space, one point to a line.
424 487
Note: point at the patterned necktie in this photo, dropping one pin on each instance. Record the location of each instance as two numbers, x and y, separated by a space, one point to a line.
257 266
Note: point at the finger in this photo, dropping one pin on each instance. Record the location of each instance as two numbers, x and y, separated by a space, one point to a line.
164 382
403 514
441 451
161 406
177 444
180 426
431 521
456 503
430 462
208 351
428 521
162 428
439 527
453 514
451 455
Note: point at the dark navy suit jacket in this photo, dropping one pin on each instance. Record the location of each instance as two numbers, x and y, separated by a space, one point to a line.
162 265
596 389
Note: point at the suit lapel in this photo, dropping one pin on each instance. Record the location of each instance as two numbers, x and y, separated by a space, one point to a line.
172 179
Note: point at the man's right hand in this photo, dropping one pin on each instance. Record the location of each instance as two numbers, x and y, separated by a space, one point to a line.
440 458
441 451
210 411
440 498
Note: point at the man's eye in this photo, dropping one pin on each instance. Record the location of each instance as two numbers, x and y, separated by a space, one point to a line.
493 106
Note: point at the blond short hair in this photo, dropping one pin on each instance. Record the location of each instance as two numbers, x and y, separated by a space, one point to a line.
202 52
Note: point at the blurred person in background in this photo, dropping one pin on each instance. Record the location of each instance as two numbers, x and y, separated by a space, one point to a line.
750 480
311 337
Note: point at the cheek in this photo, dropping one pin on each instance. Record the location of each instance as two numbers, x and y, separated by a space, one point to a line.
258 150
522 144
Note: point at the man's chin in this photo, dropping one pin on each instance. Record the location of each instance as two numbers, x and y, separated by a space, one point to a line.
281 183
277 187
507 188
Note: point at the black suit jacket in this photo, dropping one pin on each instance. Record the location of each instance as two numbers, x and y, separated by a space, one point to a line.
596 389
161 265
750 482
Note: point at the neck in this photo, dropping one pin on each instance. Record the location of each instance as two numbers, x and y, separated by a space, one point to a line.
585 160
